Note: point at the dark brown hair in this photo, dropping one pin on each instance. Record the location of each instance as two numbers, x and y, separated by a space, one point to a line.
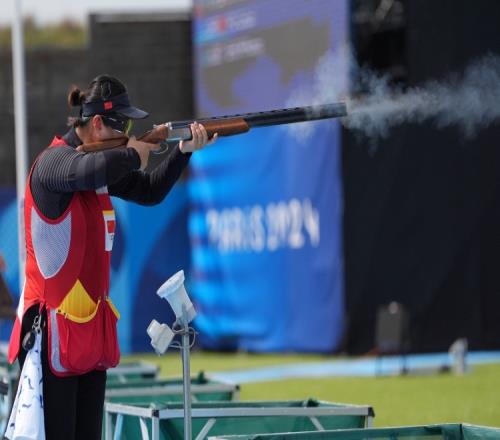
100 89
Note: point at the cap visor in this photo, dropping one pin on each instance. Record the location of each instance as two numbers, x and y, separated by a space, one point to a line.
133 113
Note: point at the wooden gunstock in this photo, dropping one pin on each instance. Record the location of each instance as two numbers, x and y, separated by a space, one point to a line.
225 127
154 136
103 145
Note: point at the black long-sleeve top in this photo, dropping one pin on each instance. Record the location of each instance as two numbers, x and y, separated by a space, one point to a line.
59 172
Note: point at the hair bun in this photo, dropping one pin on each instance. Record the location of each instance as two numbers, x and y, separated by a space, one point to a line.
76 97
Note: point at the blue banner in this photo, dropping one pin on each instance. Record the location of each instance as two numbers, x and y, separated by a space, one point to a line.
266 211
9 249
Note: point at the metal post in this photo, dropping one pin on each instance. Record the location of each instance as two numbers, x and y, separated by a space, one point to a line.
186 377
20 126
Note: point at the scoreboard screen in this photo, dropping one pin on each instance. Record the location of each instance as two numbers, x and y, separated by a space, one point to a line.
250 55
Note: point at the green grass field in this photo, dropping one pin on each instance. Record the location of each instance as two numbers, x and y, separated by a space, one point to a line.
403 400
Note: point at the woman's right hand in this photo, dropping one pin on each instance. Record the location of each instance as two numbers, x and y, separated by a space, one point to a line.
143 149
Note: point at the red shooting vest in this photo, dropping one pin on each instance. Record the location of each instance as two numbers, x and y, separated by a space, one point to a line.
67 271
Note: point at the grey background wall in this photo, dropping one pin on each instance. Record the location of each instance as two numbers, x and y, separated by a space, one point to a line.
151 54
49 73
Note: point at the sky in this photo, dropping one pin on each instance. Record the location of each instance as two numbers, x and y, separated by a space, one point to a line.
50 11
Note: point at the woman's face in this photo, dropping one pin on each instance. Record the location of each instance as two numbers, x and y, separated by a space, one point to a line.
101 131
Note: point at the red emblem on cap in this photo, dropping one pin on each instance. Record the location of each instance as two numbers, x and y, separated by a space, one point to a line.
108 105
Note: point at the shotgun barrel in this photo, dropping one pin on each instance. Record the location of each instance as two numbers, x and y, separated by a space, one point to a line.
297 114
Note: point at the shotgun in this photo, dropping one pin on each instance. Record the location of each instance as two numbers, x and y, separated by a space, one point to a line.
173 132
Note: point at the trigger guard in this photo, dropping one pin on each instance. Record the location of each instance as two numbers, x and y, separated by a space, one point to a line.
163 148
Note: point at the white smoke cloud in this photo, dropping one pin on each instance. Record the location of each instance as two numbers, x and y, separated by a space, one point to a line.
470 101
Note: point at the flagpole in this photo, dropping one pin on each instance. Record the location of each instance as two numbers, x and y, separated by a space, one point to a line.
18 75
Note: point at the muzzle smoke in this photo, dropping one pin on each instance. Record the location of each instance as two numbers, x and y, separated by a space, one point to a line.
470 100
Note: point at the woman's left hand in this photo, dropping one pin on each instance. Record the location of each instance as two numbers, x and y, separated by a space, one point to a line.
200 139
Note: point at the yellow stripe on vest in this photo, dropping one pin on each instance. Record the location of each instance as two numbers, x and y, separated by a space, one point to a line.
78 302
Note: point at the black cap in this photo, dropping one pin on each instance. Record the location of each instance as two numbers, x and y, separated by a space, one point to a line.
114 104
